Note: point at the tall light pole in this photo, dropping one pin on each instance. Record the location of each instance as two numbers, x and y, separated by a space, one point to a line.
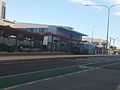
93 33
108 20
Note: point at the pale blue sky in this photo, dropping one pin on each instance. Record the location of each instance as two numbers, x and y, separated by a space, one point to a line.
67 13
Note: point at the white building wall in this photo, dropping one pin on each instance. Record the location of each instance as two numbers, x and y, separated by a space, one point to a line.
9 23
29 25
99 42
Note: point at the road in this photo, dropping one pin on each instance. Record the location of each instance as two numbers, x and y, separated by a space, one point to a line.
100 73
23 66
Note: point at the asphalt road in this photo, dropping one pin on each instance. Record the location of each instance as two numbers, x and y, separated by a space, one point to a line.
13 67
23 66
106 77
97 79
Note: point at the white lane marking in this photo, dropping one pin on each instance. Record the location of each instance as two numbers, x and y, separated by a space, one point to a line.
7 63
24 62
13 63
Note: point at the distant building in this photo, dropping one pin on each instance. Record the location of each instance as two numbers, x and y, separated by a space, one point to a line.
39 37
42 28
100 43
56 38
3 20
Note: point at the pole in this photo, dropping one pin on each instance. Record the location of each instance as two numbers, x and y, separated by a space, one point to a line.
113 42
93 28
110 41
108 23
92 33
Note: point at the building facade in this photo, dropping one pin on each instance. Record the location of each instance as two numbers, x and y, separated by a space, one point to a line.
40 37
56 38
100 44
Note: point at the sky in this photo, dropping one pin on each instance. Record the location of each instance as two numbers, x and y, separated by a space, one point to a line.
71 13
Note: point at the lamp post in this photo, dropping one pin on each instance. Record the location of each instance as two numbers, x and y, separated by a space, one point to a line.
108 20
93 33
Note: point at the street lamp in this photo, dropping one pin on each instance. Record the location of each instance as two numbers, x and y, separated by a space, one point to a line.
108 20
93 33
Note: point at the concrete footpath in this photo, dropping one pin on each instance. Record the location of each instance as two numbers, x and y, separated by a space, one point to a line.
26 56
41 57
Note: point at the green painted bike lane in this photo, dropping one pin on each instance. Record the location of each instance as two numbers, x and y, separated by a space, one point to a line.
29 77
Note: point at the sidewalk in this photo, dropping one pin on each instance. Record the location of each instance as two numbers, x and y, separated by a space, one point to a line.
28 57
33 53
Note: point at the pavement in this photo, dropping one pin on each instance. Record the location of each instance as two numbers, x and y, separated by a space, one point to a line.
39 57
28 56
32 55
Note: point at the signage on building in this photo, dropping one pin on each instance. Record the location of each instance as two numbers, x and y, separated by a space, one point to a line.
45 40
